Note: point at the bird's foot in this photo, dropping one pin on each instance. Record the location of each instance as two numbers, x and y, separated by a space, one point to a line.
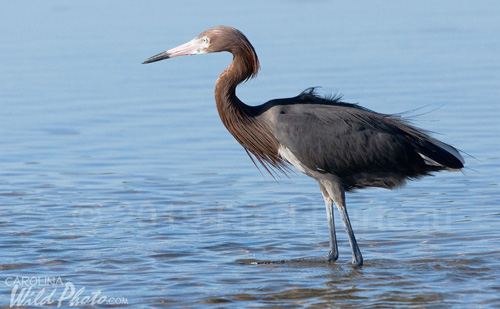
357 260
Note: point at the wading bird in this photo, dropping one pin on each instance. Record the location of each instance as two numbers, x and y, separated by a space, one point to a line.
343 146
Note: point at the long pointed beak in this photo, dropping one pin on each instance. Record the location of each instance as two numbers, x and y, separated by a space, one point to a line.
160 56
192 47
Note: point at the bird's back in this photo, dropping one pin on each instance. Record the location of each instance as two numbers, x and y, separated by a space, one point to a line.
360 147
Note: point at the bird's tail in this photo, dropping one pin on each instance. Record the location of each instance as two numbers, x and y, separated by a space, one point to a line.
441 155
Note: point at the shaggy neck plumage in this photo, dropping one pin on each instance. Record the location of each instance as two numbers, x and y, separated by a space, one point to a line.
239 118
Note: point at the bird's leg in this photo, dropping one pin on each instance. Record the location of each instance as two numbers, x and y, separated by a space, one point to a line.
339 199
333 253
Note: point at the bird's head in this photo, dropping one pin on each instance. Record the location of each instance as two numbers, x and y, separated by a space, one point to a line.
216 39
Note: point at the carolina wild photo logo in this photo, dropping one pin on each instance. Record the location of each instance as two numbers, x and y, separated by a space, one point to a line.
42 291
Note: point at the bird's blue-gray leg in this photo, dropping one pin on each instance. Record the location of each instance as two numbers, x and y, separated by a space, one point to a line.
339 199
333 253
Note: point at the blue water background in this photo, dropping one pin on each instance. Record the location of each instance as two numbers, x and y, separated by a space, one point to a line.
120 178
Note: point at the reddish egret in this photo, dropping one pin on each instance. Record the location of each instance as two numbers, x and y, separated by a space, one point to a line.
343 146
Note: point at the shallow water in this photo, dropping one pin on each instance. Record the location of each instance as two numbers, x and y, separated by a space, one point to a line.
119 179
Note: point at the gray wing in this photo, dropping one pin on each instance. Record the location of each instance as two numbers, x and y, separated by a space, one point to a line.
361 147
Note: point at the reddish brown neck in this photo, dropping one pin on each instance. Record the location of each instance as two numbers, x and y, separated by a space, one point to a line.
239 119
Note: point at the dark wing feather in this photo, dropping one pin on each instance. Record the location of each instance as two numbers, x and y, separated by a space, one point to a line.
361 147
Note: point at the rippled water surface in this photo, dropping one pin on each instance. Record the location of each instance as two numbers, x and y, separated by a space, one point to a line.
120 185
